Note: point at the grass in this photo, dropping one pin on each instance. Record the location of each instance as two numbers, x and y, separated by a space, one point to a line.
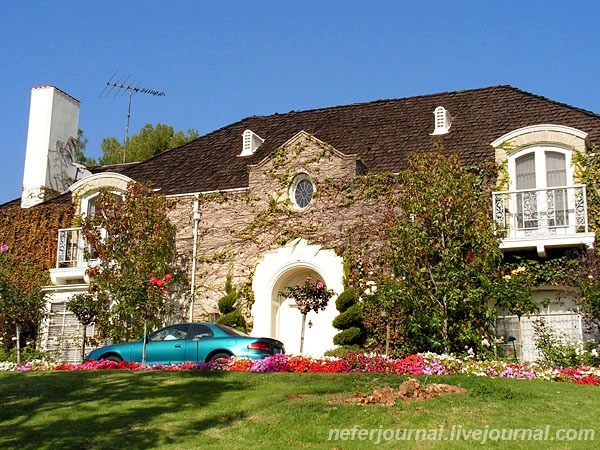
229 410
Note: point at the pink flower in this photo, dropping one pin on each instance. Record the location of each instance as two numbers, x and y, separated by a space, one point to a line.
3 248
320 285
308 278
167 277
164 292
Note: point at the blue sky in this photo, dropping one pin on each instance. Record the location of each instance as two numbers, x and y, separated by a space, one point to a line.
221 61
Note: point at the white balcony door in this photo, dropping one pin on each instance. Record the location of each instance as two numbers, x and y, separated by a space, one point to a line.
540 206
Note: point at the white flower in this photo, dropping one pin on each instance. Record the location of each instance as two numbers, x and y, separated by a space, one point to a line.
506 277
485 342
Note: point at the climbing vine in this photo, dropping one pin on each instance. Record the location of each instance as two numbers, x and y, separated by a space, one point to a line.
29 239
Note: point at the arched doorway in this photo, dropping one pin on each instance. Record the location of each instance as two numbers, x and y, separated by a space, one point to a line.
278 317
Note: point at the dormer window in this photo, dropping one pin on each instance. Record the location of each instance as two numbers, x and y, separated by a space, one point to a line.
250 143
442 121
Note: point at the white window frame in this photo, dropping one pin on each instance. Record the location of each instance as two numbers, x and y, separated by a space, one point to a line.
540 164
540 150
292 191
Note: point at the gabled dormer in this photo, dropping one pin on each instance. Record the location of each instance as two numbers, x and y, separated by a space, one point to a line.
442 121
250 143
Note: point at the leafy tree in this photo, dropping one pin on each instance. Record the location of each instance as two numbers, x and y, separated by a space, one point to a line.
18 308
80 145
444 254
149 142
27 252
309 296
86 309
133 242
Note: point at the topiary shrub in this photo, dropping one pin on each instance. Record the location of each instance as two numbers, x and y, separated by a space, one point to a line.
349 321
234 319
346 299
231 315
348 337
352 317
227 303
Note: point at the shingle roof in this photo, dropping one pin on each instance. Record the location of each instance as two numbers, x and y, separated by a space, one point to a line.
382 133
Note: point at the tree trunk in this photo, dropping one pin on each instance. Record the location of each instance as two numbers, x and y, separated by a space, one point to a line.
446 333
145 343
302 333
83 342
18 331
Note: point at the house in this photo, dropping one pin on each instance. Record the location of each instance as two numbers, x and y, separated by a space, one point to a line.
254 199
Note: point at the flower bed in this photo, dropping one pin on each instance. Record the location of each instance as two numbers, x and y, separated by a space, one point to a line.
421 364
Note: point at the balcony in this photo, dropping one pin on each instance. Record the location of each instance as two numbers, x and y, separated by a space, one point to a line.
70 262
543 218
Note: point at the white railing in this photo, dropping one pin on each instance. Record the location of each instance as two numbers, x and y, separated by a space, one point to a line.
531 213
71 246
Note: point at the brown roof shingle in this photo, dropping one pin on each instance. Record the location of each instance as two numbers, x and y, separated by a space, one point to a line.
382 133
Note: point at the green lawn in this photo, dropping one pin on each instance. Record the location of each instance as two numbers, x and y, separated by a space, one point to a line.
228 410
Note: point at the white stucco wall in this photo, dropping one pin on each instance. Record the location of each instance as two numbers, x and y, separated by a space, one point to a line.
277 317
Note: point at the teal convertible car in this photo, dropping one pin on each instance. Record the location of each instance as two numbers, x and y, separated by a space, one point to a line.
195 342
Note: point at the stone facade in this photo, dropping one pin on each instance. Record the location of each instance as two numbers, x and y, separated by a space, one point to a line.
238 228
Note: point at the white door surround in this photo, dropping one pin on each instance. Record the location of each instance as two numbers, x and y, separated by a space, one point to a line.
277 317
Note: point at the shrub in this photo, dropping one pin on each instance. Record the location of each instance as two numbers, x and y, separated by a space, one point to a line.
227 303
234 319
346 299
348 337
350 320
351 317
343 352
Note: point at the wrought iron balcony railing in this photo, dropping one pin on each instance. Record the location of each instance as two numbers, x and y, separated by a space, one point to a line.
71 246
557 211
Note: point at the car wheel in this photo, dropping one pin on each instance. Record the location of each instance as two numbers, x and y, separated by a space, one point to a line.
221 355
113 358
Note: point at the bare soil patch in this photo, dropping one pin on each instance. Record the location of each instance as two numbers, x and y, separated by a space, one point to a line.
410 389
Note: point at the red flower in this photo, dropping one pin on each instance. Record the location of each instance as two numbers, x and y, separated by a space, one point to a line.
167 277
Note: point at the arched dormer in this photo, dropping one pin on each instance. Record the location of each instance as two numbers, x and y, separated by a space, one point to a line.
541 205
87 189
70 263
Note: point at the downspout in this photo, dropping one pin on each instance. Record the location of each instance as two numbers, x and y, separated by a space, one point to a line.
194 255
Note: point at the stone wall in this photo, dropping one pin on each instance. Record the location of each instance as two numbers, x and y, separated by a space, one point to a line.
237 228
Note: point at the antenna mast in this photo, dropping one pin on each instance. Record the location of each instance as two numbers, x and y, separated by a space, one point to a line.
131 88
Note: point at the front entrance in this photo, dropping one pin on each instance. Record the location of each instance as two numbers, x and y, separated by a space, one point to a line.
279 317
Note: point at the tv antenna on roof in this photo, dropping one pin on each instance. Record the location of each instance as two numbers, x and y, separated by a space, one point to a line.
131 87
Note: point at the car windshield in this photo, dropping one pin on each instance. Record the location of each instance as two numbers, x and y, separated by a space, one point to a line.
231 331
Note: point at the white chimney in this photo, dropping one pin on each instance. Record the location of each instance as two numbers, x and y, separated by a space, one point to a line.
53 122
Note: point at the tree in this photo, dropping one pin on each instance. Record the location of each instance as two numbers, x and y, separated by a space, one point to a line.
444 253
17 307
133 242
86 309
310 296
27 252
80 145
149 142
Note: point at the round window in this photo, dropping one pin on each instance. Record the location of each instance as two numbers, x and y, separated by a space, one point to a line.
302 191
